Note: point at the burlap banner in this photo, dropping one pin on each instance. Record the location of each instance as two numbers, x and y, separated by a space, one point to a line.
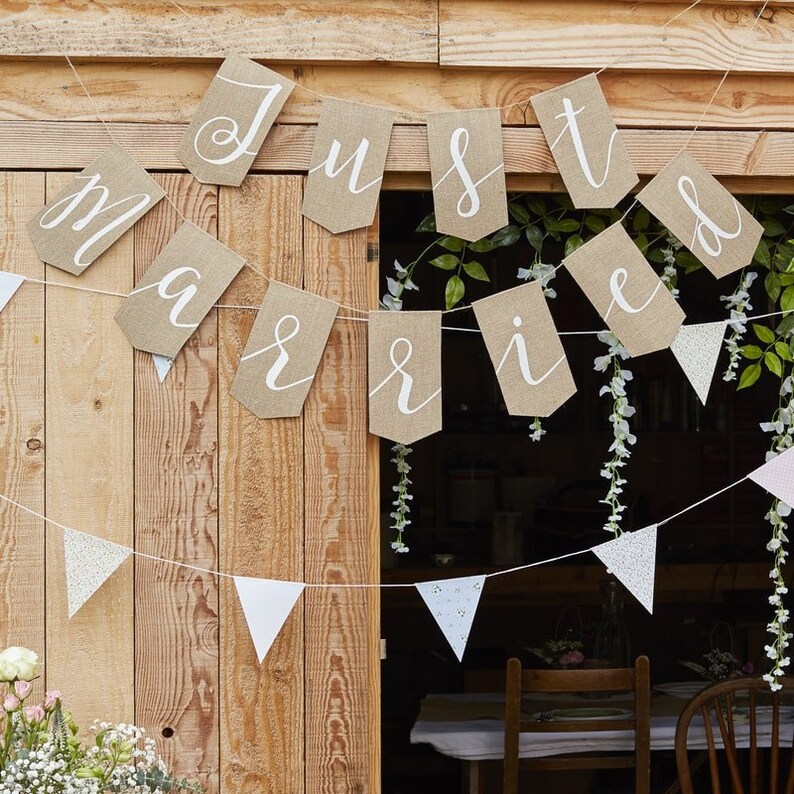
283 351
346 170
703 215
93 211
232 121
587 147
525 349
404 375
625 291
177 291
467 168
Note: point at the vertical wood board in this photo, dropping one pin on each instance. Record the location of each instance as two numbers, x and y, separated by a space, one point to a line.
176 518
261 507
22 438
89 459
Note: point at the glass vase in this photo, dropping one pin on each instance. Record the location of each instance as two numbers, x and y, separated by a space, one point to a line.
612 646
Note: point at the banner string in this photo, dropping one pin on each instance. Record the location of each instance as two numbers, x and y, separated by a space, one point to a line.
365 585
251 307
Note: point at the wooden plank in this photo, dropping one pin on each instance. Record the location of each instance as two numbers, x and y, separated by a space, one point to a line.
342 625
260 507
589 34
169 92
89 459
357 30
176 517
22 537
73 145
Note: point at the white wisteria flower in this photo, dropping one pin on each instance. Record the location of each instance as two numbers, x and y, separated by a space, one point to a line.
739 304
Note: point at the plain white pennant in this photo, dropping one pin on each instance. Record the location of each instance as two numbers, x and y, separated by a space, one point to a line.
777 476
89 562
9 284
453 603
697 348
631 557
266 604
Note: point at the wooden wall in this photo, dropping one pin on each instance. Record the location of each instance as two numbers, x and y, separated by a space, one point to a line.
181 470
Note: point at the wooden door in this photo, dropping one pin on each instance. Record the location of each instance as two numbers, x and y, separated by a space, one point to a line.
181 471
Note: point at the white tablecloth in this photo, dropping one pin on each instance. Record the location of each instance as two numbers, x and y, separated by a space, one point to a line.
483 739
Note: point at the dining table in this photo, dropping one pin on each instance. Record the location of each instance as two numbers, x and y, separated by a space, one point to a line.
470 727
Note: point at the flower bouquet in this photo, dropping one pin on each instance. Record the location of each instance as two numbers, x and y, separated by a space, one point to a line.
720 666
41 754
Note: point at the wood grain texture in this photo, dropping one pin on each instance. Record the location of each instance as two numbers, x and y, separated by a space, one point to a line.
89 459
590 34
261 508
342 625
22 537
74 145
170 91
357 30
176 517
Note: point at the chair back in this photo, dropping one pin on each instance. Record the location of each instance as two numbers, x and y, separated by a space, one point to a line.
635 679
740 712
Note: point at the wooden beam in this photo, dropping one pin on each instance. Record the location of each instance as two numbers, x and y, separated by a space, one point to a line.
315 30
72 145
169 92
589 34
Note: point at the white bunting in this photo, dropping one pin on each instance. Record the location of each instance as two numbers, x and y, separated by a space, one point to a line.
163 365
266 604
89 561
697 348
453 603
9 284
777 476
631 558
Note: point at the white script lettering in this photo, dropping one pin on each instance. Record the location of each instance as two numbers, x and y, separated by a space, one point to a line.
703 220
520 345
616 283
407 383
331 171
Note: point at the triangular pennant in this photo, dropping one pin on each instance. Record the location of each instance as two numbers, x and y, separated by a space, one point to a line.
631 557
697 348
89 562
163 365
266 604
453 603
777 476
9 284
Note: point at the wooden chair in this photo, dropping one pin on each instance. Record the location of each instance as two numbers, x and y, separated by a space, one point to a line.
715 705
635 678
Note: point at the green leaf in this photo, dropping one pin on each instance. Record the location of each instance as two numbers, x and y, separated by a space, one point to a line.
761 255
655 255
518 212
784 255
572 243
785 327
476 270
641 220
481 246
534 236
445 262
564 201
773 363
688 261
751 351
772 285
537 206
787 279
506 236
594 223
764 333
788 210
563 225
773 227
787 299
749 376
428 223
784 351
451 243
641 242
455 291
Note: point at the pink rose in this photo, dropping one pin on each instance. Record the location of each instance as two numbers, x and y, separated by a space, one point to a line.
11 703
34 713
52 697
572 657
22 689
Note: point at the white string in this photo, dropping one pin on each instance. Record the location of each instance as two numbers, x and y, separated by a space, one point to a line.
364 585
251 307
